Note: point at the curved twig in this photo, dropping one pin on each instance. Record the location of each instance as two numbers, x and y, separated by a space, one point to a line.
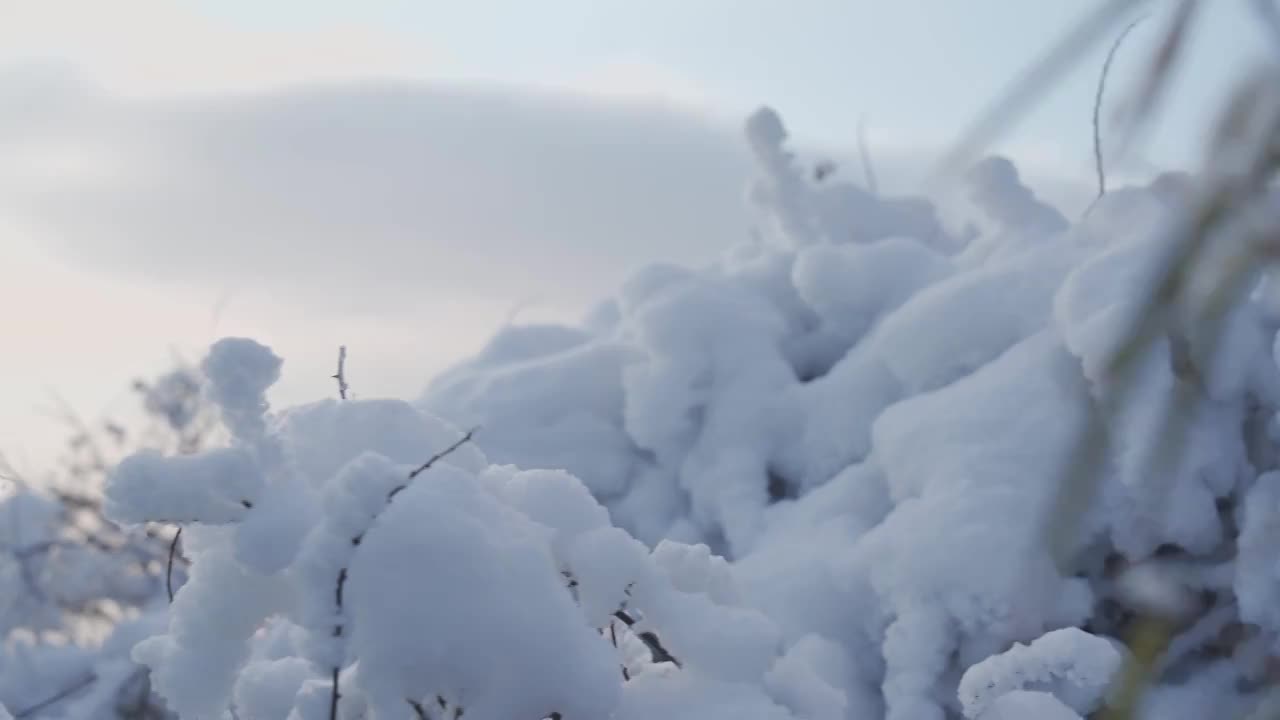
168 571
466 438
1097 109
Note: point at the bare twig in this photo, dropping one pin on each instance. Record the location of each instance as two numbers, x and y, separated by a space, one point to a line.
84 438
650 639
439 456
1269 14
168 572
613 638
341 375
338 628
57 697
1097 108
8 474
335 694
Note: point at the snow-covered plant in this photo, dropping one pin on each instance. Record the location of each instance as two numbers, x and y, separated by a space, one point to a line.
363 559
870 416
1069 664
864 466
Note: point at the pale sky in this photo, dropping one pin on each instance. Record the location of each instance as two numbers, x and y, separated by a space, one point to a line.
397 175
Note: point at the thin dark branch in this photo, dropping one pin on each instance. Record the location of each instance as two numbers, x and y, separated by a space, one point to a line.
168 571
342 582
613 638
650 639
334 696
84 439
335 692
342 572
466 438
419 710
57 697
1097 108
341 375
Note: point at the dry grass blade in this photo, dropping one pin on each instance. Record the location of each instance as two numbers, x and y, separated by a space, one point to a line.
1242 161
1159 72
864 155
1097 107
1147 644
1269 14
1035 81
1078 482
1233 286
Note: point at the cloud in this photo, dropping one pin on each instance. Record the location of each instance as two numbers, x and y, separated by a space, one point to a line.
403 219
149 47
389 188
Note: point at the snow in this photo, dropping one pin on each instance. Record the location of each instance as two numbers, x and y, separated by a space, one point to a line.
810 480
1022 704
1069 664
239 371
887 494
469 576
218 488
1257 574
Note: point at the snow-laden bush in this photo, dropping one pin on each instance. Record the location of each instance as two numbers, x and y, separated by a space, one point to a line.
362 558
869 414
821 478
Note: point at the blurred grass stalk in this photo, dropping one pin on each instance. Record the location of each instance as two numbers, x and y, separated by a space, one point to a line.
1205 244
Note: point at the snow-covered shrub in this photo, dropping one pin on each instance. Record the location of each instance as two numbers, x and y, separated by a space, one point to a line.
868 416
820 478
363 559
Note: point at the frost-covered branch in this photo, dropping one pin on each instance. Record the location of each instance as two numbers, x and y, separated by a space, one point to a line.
168 570
649 638
341 375
466 438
